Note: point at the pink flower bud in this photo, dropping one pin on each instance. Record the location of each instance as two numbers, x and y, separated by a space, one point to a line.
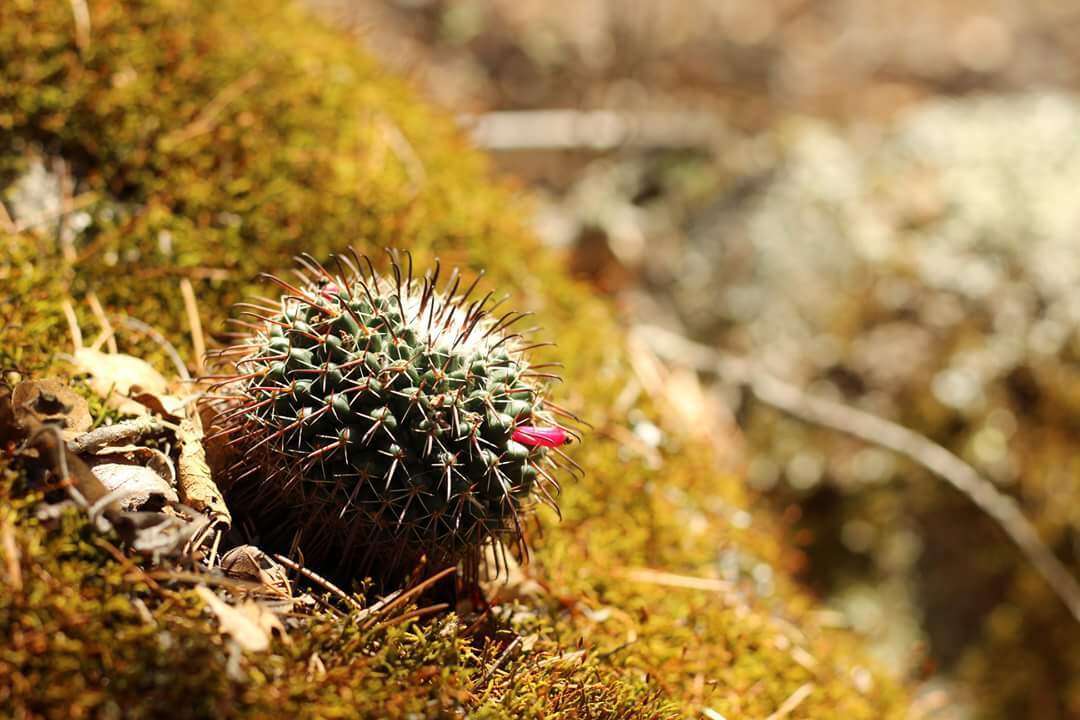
540 437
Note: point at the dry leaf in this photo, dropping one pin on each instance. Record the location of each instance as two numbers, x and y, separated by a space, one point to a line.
512 581
161 534
151 458
50 402
249 625
197 486
142 474
248 562
147 533
529 642
140 485
170 407
117 377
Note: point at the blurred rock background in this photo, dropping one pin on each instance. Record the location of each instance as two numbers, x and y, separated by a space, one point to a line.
877 201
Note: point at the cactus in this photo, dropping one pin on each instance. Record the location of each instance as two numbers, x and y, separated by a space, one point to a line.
391 421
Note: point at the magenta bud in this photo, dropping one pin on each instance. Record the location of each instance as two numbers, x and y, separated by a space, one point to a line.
540 437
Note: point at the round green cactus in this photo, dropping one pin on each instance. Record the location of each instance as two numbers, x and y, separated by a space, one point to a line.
391 420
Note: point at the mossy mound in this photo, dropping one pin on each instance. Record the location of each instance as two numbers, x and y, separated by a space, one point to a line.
213 140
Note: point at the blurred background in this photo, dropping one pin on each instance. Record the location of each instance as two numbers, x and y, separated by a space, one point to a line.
878 202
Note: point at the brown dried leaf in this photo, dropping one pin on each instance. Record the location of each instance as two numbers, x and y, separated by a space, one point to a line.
512 581
250 624
219 453
140 485
51 402
197 486
161 534
170 407
248 562
148 533
66 467
142 474
117 378
148 457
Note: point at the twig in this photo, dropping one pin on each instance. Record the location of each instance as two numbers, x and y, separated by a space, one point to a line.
82 24
405 153
169 349
205 578
118 434
591 130
417 613
1004 510
198 341
795 700
73 475
212 559
204 122
65 238
129 566
320 581
73 325
6 223
396 599
11 555
195 273
501 659
199 539
108 335
666 579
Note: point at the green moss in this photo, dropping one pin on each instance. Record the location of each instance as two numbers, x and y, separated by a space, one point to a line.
212 140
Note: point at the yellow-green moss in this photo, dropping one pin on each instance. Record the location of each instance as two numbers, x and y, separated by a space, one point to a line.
213 140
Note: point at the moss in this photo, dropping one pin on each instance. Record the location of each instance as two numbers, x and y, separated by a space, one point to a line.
212 140
76 645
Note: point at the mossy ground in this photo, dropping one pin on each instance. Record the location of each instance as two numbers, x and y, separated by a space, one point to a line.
212 141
